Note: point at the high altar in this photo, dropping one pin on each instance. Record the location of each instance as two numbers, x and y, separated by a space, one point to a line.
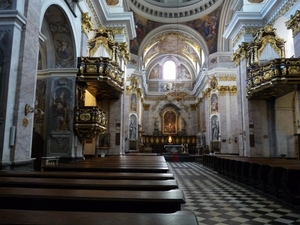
183 144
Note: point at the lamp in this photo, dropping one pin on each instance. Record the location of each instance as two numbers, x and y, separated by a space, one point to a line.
35 110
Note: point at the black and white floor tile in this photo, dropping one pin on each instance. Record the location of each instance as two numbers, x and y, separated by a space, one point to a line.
218 201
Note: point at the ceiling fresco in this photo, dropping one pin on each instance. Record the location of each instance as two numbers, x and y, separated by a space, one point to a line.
172 43
206 26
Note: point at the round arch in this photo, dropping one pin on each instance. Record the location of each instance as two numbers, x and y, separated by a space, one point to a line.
58 32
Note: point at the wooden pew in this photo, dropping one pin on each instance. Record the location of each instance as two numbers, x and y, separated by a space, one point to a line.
89 175
95 218
291 184
137 164
91 200
271 175
107 168
276 179
64 183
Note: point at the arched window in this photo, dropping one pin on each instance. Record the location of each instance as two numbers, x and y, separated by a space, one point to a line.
169 70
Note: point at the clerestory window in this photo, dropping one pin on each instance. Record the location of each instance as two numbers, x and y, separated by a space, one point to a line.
169 70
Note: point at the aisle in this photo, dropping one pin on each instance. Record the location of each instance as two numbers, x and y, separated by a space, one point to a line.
216 200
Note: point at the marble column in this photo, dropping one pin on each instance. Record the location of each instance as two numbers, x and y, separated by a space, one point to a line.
23 75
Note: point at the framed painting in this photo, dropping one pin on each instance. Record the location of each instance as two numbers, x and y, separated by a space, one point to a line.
169 122
103 141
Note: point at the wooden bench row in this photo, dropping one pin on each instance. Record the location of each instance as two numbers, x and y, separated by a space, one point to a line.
89 197
133 164
89 175
93 218
65 183
277 176
91 200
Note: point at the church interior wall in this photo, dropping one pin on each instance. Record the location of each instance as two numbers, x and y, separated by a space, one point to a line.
228 120
114 117
285 117
258 129
286 34
296 39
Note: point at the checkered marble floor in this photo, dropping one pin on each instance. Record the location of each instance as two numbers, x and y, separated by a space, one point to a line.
218 201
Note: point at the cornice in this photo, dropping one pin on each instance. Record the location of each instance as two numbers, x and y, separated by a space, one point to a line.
242 20
293 23
169 14
275 9
106 18
244 23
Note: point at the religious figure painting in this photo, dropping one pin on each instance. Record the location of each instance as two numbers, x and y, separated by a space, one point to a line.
61 109
154 73
169 122
64 49
183 73
104 140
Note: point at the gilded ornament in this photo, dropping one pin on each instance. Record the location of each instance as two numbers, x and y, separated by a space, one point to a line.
193 107
85 117
284 71
213 83
293 70
25 122
223 89
233 90
146 106
227 78
241 53
91 69
257 80
268 75
86 23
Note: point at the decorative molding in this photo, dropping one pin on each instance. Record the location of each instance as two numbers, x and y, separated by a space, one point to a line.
158 11
240 54
243 31
91 7
213 82
223 90
227 78
293 23
71 5
206 93
233 90
283 10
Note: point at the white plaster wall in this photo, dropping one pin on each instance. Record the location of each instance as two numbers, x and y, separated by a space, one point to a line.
286 34
285 125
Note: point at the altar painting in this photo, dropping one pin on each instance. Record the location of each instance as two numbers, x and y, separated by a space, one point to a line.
169 122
